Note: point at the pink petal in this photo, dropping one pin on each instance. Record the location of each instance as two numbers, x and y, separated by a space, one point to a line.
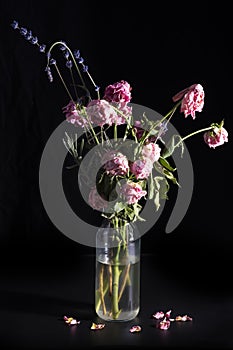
164 325
74 322
96 326
168 313
183 318
134 329
70 320
158 315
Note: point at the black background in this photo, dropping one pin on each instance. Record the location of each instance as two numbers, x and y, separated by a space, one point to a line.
159 50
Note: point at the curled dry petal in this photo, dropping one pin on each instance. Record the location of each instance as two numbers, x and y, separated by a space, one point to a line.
164 324
183 318
134 329
168 314
158 315
70 320
96 326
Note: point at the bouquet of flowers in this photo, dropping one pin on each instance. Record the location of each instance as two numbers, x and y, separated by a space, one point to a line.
130 154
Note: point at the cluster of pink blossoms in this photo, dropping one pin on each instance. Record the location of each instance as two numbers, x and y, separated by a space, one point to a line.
113 109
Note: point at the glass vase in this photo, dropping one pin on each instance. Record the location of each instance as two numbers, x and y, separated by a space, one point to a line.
117 275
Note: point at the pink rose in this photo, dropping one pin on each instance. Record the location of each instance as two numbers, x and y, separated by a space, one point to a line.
118 92
132 192
115 163
141 168
151 151
192 100
216 137
73 116
100 112
95 200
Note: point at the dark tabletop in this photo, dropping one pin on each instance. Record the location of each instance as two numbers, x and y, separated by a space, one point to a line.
35 295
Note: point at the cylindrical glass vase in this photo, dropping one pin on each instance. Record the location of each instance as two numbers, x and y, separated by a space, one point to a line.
117 277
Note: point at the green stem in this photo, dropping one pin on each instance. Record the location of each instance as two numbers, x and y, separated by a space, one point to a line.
154 125
115 289
102 289
126 275
115 132
63 82
74 85
98 296
75 64
172 111
194 133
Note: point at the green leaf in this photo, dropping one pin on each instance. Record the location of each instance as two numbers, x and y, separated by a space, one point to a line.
137 208
151 187
171 145
119 206
171 177
161 188
166 164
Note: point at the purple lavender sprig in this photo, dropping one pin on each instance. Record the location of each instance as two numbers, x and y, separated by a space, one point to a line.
72 58
27 34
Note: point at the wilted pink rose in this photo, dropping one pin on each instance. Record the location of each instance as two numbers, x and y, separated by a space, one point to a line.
151 151
132 192
141 168
192 100
100 112
73 116
96 201
216 137
118 92
115 163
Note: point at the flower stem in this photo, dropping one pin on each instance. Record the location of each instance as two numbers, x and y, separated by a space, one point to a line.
63 82
115 285
124 281
193 133
110 279
102 289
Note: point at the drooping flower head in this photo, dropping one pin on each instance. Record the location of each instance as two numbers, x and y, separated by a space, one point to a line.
192 100
216 137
